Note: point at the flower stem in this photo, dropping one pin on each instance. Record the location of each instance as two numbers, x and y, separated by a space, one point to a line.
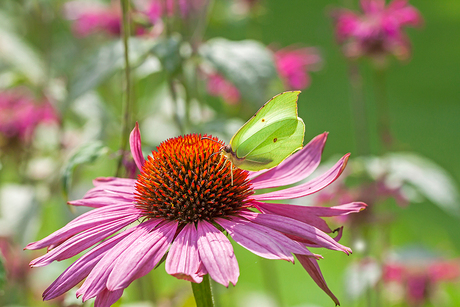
271 279
203 292
358 105
383 110
177 119
127 103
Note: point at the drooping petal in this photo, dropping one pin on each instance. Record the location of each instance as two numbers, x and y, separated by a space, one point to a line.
107 298
80 242
217 254
82 267
261 240
309 187
295 168
294 227
97 279
310 214
183 260
83 222
141 258
136 147
311 266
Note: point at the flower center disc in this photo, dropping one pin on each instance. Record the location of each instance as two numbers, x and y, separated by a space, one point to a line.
188 180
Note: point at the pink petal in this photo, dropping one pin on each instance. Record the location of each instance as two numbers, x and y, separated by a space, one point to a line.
80 242
83 222
97 279
82 267
261 240
114 181
107 298
293 227
295 168
310 214
312 268
309 187
141 258
217 254
100 202
111 190
183 260
136 147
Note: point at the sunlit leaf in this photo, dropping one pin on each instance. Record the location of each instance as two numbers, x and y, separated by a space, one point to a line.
361 276
422 175
86 154
16 54
105 62
247 64
18 212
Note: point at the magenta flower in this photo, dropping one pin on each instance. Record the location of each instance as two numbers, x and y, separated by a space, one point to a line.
219 86
378 31
20 114
419 277
293 66
178 207
90 19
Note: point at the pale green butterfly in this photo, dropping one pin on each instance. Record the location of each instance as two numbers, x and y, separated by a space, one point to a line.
269 137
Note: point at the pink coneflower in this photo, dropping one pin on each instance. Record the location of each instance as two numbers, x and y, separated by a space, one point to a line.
181 202
378 31
20 114
293 66
219 86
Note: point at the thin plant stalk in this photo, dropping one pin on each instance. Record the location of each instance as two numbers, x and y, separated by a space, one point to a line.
383 110
173 91
358 106
203 293
271 279
127 103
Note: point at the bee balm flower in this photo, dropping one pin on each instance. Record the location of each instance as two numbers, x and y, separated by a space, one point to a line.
179 204
378 31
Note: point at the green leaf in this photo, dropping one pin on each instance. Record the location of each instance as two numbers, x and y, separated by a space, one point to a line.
85 154
2 273
168 52
105 62
247 64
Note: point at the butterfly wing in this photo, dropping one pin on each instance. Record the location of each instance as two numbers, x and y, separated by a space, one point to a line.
271 135
280 107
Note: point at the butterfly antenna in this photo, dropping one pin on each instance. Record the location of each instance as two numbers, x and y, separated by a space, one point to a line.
206 138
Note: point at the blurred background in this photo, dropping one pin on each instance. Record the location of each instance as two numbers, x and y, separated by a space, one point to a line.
381 78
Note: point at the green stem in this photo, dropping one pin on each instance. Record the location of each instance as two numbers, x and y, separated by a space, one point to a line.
358 105
127 104
383 110
271 279
203 293
177 119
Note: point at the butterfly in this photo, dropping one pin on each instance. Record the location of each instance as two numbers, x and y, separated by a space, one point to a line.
269 137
